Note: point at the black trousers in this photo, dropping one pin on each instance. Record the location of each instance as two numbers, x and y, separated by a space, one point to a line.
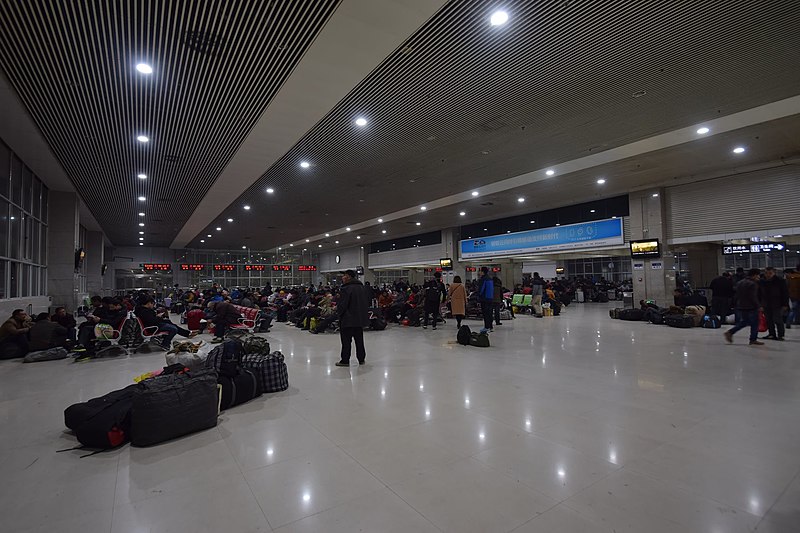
497 306
486 309
774 316
433 310
348 335
721 307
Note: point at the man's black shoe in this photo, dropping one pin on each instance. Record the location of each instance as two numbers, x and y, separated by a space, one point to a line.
343 363
362 361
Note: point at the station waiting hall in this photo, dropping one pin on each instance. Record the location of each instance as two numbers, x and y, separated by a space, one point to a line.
395 266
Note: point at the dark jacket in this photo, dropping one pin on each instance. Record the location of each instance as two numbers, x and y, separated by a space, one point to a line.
226 313
11 327
67 321
486 290
721 287
148 316
352 306
774 293
498 290
434 293
112 318
45 335
747 295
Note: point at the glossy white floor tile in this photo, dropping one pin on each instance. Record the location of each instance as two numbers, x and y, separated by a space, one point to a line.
575 423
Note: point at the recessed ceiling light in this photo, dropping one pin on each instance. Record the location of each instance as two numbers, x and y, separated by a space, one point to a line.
361 121
247 208
336 242
244 247
485 229
202 240
419 223
591 210
141 233
141 244
358 236
739 150
278 249
319 245
655 195
141 214
230 220
327 234
703 131
219 229
209 235
557 224
423 208
520 199
550 172
144 68
141 224
475 193
142 198
141 238
270 190
462 213
615 216
308 240
305 164
533 222
143 138
498 18
383 231
348 229
142 176
291 245
601 181
380 220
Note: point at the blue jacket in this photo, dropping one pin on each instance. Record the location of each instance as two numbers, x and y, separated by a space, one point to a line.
486 292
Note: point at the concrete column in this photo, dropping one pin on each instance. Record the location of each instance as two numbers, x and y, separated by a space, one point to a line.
450 238
62 279
648 221
363 260
704 259
95 258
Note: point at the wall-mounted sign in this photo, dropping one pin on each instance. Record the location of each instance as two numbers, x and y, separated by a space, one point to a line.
472 269
256 268
646 248
638 266
281 268
657 265
446 263
307 268
195 266
156 266
495 269
431 269
227 268
571 237
764 246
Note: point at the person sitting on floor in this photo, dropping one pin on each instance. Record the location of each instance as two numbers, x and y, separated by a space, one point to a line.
46 334
14 335
111 313
65 320
150 318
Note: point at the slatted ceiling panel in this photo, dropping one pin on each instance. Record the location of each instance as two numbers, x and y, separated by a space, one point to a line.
736 203
217 64
565 71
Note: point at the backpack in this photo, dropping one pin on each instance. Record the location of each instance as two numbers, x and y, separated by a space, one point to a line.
481 340
225 357
377 323
711 322
104 422
464 335
413 316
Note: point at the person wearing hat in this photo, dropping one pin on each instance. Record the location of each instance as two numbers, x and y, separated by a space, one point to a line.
352 311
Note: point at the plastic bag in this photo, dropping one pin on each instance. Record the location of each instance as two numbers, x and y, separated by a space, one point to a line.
762 322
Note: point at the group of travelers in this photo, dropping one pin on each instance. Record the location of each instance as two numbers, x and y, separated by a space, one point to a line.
21 334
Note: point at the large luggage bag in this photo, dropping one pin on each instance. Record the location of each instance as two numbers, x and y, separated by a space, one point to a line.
193 319
238 389
614 313
224 358
102 422
679 321
167 407
631 314
270 370
463 336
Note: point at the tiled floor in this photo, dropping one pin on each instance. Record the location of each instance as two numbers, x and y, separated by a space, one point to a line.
569 424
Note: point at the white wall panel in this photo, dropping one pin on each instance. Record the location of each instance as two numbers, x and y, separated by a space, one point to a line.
409 256
349 258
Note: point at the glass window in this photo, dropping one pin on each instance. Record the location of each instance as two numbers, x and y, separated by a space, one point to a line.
3 279
37 198
45 205
34 240
27 189
3 230
13 286
26 281
16 180
35 289
43 281
27 237
43 246
15 224
5 168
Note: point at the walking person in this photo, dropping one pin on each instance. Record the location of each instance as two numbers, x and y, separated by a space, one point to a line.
434 295
792 277
775 299
352 310
457 296
747 307
486 299
497 299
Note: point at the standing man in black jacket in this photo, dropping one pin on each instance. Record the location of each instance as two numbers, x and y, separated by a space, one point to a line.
775 295
721 295
748 302
352 308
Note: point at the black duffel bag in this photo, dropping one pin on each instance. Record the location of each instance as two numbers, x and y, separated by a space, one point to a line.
167 407
679 321
631 314
103 422
238 388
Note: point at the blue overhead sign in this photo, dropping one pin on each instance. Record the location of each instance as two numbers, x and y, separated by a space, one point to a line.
572 237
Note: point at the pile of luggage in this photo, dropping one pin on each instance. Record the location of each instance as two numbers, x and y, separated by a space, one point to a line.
674 316
180 400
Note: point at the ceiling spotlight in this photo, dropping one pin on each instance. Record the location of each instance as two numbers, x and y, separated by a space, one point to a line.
141 244
244 247
219 229
533 222
305 164
550 172
319 245
141 214
308 240
739 150
475 193
142 198
601 181
291 245
520 199
558 224
143 138
591 210
336 242
142 176
462 213
703 131
141 233
498 18
141 238
247 208
384 232
348 229
380 220
230 220
327 234
655 195
419 223
209 235
144 68
361 122
358 236
423 208
615 216
141 224
270 190
202 240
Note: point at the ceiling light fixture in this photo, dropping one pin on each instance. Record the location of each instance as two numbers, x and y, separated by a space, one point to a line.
348 229
358 236
739 150
244 247
591 210
141 224
327 234
270 190
247 208
462 213
144 68
219 229
202 240
498 18
142 198
384 232
361 122
475 193
419 223
305 164
335 242
380 220
655 195
291 245
143 138
319 245
141 238
533 222
520 199
558 224
142 176
230 220
141 244
601 181
423 208
550 172
141 233
141 214
308 240
703 131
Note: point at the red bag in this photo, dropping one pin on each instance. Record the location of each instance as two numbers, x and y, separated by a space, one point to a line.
762 322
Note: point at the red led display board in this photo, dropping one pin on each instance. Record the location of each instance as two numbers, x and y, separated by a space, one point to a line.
472 269
192 267
156 266
281 268
495 269
228 268
258 268
307 268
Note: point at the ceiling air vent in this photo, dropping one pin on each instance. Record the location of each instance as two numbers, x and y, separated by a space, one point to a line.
203 41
